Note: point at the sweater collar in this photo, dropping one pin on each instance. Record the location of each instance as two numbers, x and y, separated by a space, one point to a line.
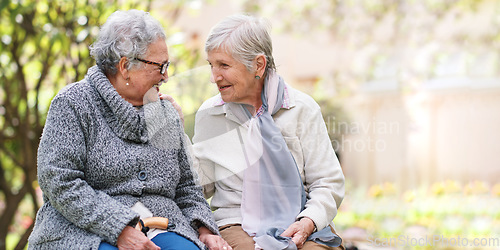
121 116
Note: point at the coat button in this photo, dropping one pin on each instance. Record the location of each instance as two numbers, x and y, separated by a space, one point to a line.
142 175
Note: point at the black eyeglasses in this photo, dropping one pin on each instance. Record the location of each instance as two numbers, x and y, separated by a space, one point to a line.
163 66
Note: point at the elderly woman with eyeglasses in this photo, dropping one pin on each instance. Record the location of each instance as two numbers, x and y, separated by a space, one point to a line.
262 149
112 154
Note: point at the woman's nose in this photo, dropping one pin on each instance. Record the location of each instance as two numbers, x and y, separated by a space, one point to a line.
212 80
164 76
215 77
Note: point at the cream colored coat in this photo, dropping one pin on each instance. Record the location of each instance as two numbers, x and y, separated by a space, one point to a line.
219 157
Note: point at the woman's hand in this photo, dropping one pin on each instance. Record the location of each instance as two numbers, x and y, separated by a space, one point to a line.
212 241
299 231
131 238
176 105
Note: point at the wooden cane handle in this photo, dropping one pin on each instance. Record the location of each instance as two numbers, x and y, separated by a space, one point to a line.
154 222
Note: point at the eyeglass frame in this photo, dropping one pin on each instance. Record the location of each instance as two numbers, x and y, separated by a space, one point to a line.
163 66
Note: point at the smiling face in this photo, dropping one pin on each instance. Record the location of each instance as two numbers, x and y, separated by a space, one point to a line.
234 81
145 79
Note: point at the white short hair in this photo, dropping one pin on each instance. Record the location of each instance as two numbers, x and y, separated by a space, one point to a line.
125 33
244 37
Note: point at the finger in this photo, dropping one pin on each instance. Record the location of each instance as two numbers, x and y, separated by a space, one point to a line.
151 245
211 242
225 245
170 99
291 230
175 104
299 239
288 233
297 242
166 97
222 244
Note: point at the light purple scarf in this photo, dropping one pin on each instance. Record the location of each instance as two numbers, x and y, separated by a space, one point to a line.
273 193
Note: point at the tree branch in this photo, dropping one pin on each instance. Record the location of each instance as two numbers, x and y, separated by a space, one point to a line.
24 239
12 204
3 183
11 156
45 70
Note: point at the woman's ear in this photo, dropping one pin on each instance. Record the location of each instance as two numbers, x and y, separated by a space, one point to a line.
123 67
261 65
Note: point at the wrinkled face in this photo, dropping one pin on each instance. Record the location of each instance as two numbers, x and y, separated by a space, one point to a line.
234 81
145 79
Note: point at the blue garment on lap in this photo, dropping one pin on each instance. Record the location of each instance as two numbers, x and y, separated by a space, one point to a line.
167 241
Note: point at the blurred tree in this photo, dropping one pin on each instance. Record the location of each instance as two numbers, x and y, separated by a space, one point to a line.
378 39
43 47
371 32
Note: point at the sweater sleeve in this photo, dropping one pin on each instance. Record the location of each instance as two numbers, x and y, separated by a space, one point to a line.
324 180
61 175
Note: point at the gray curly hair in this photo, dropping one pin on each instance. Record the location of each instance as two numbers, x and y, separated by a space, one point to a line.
125 34
244 37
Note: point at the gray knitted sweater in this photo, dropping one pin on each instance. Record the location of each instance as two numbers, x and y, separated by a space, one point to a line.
99 155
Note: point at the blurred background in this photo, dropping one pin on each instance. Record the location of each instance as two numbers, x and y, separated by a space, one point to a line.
409 90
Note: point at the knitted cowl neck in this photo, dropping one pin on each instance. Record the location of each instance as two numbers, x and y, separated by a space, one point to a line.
122 117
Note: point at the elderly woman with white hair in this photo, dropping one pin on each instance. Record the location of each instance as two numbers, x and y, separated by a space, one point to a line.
262 150
111 155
